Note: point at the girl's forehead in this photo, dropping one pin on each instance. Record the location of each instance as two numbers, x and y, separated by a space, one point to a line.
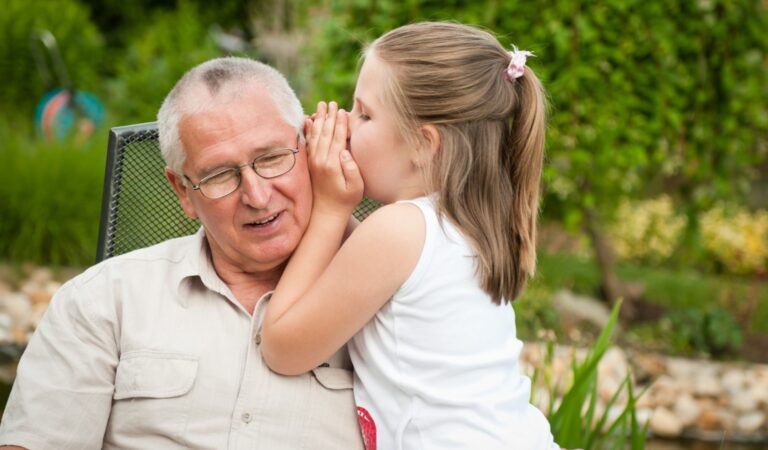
370 82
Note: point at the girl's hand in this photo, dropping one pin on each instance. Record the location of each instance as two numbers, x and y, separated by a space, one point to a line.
336 182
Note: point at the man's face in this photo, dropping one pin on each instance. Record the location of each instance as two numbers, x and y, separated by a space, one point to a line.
258 226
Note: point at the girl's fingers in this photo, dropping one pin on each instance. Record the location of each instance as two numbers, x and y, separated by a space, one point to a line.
317 125
352 177
339 141
326 135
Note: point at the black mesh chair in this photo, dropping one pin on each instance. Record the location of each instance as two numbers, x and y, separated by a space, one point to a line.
138 207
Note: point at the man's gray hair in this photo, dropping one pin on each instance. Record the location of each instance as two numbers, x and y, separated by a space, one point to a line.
214 83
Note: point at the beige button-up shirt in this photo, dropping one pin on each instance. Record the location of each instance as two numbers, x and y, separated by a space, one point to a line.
150 350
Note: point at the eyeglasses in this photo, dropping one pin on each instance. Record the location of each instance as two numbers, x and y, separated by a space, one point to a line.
269 165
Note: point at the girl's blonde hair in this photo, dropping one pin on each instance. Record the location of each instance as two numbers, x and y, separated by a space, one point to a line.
488 167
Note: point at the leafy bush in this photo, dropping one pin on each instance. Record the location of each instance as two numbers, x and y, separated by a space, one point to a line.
642 92
534 312
171 43
51 198
647 230
79 40
737 238
712 331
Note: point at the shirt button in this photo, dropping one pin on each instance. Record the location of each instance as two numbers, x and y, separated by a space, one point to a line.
246 417
257 339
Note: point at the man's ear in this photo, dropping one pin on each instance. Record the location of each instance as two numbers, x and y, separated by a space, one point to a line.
431 145
177 183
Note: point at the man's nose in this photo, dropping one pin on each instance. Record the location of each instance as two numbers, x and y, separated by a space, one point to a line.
256 191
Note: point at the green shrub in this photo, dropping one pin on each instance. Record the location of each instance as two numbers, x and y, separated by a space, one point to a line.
712 331
736 238
79 40
51 198
647 230
171 43
535 313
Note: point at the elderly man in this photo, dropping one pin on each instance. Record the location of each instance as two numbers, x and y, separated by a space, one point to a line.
159 348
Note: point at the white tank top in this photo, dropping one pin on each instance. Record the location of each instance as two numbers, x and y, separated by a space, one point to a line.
437 367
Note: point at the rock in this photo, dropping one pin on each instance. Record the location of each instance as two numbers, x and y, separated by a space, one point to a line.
743 402
37 314
7 274
42 294
581 308
733 380
663 391
687 409
728 419
5 287
682 369
759 392
649 365
664 423
17 307
706 384
708 420
643 415
751 422
40 275
607 387
533 354
5 327
614 364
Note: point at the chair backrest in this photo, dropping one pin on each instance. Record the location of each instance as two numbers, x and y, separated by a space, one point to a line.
138 207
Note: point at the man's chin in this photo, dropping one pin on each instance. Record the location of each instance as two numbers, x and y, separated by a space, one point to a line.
269 259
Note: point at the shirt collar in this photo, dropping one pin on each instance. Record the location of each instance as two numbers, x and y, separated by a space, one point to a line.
197 272
197 268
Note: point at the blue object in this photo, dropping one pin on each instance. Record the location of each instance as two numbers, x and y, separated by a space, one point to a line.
61 113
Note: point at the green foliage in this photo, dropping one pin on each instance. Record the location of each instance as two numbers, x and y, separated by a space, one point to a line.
120 20
712 331
646 96
51 199
535 313
171 43
79 41
575 422
672 288
646 92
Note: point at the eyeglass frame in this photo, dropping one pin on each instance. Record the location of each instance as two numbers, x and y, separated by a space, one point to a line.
238 169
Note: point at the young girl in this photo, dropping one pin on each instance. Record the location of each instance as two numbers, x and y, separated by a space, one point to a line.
447 131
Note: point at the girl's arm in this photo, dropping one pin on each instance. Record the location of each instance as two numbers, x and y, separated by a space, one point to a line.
322 299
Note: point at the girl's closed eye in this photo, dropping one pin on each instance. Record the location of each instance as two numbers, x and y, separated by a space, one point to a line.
357 108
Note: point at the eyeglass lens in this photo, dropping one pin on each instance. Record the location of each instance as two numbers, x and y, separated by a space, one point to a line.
267 166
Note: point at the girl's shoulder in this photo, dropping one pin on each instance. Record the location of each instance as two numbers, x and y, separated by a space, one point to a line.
396 223
400 215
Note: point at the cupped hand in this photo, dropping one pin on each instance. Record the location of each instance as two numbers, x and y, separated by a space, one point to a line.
336 182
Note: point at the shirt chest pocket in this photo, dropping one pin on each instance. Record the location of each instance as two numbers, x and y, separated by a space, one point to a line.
148 374
152 395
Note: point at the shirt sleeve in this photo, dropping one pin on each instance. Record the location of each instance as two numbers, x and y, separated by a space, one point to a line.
62 394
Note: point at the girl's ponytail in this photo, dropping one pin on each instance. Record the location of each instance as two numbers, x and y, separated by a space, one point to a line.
525 159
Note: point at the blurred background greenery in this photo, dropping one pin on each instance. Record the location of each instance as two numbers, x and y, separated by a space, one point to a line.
656 184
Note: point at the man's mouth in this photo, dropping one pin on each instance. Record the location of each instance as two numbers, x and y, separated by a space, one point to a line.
265 221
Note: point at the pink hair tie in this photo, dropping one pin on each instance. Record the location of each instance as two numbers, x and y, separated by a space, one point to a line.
516 66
